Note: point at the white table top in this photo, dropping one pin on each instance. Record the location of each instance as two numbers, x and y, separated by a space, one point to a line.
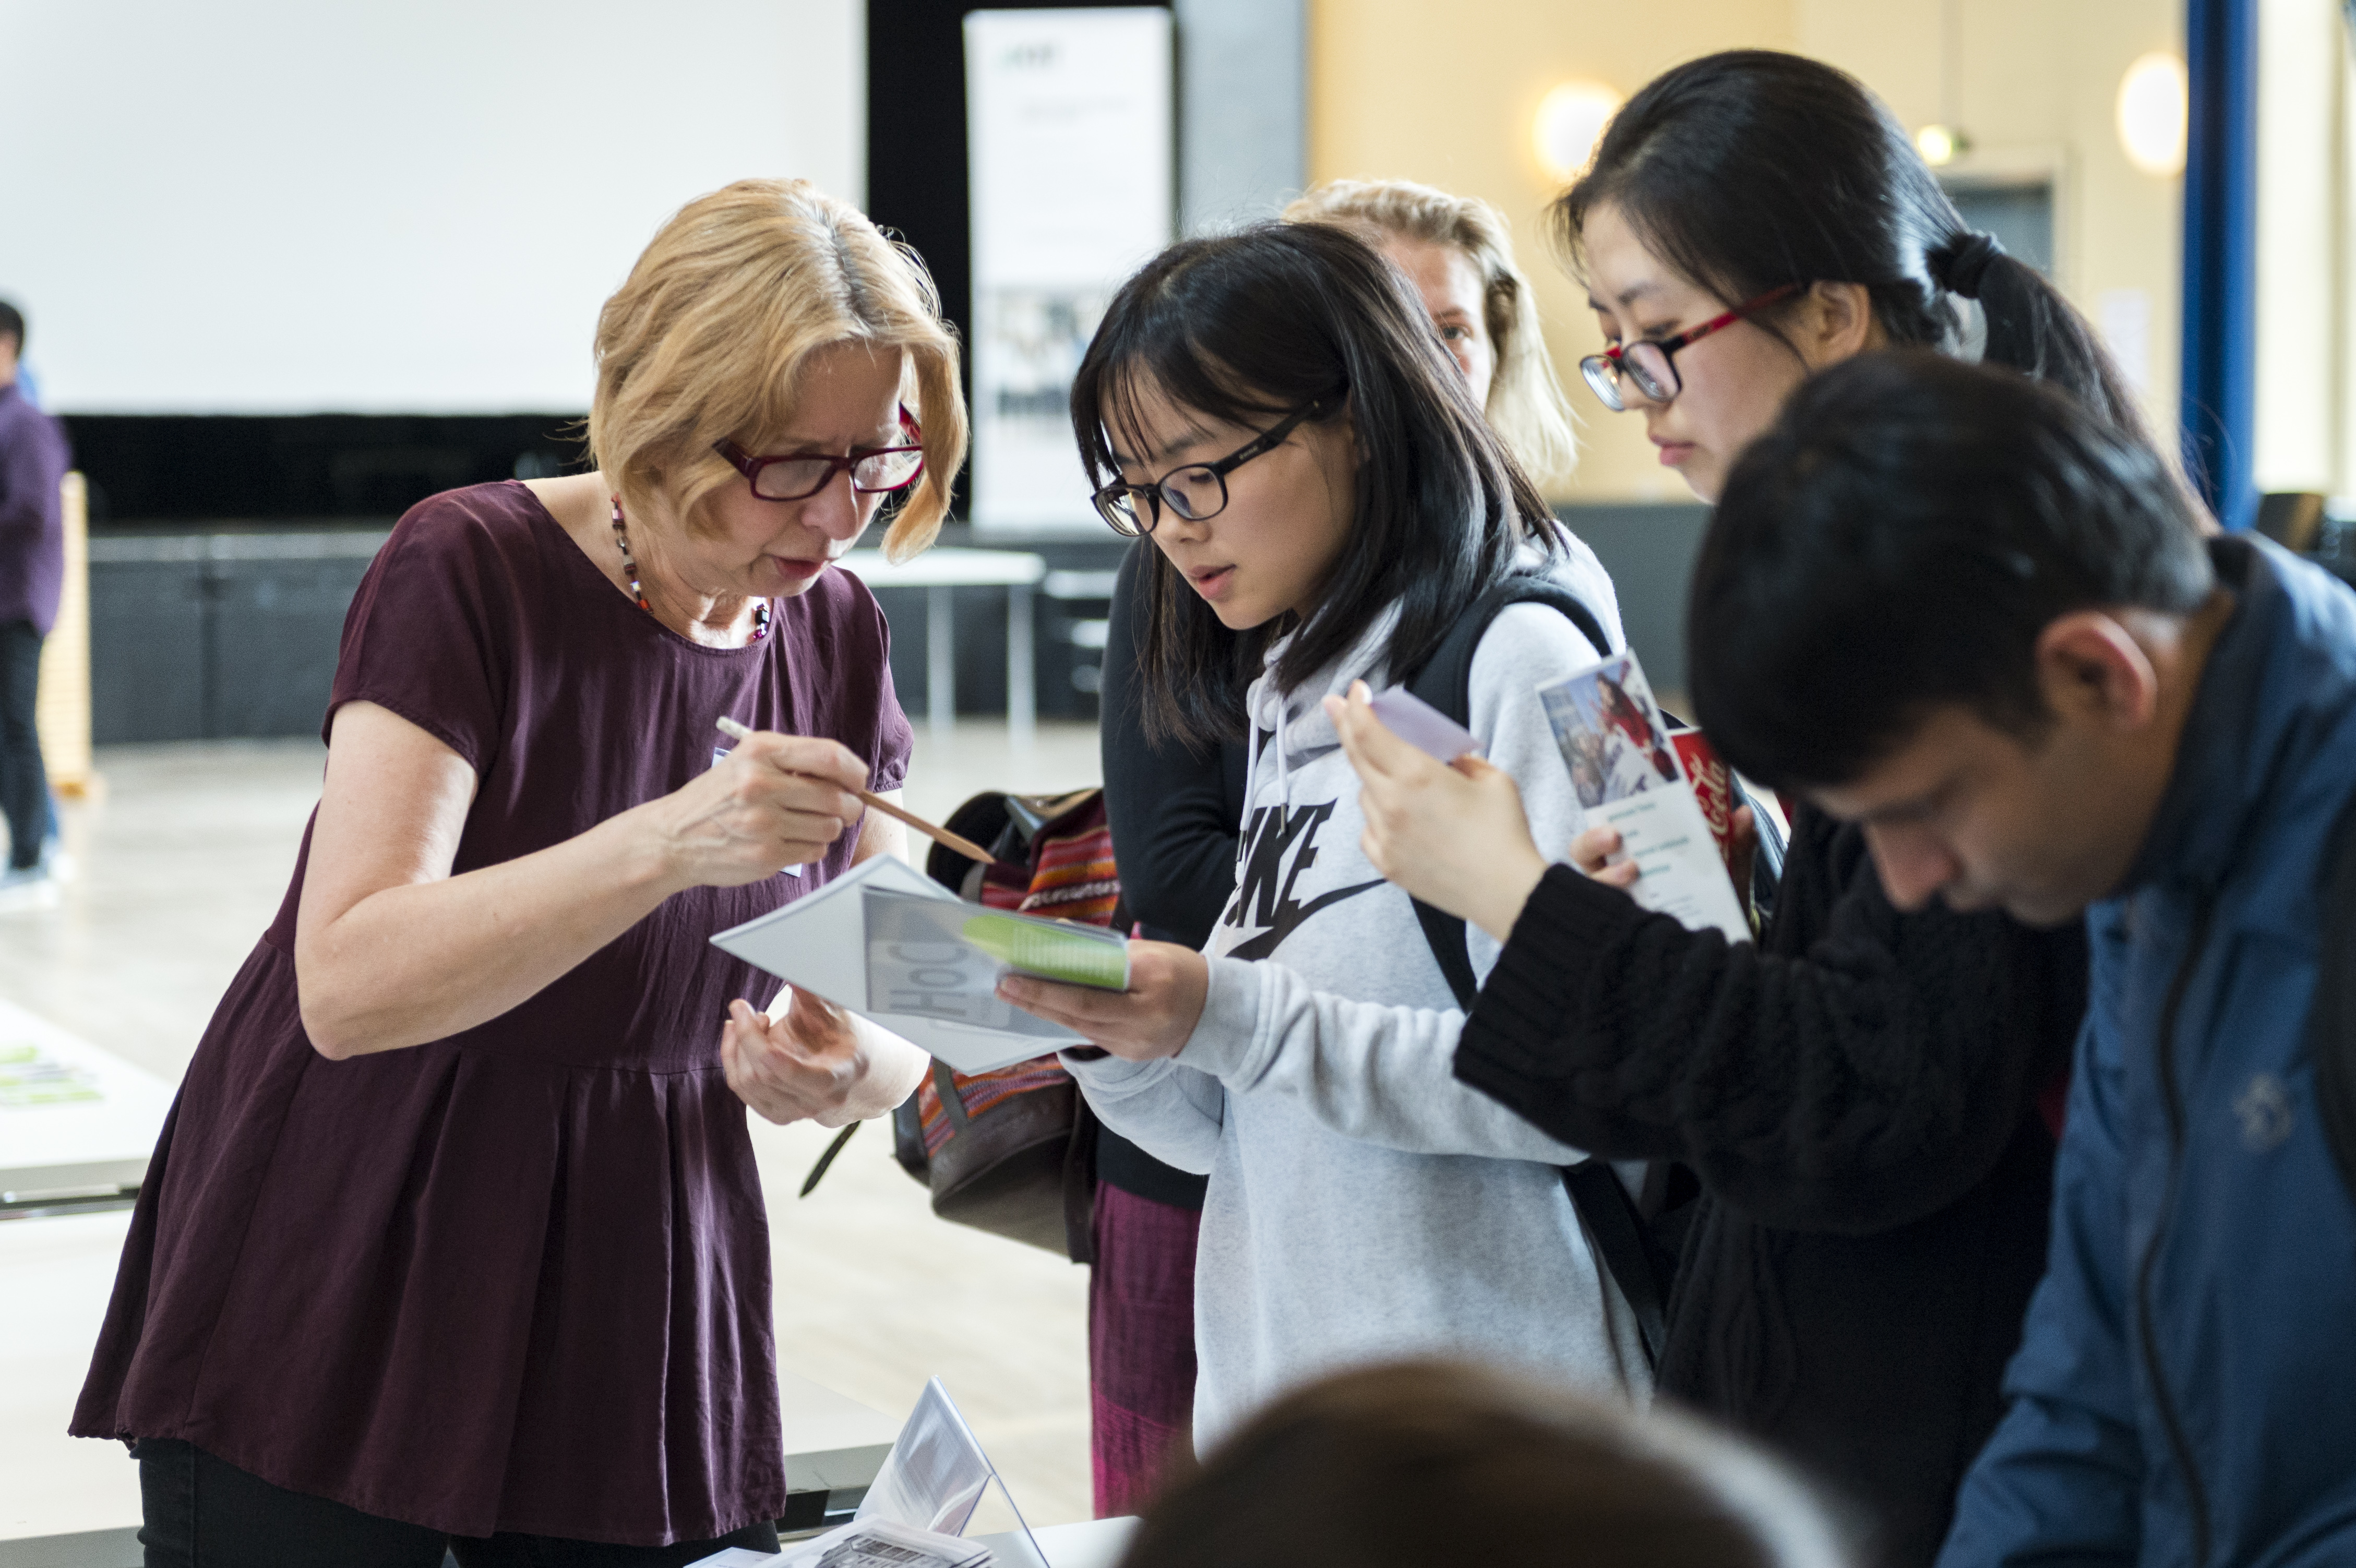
1091 1543
88 1106
950 566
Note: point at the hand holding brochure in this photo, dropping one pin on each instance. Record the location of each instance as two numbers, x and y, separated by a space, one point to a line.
1668 794
899 948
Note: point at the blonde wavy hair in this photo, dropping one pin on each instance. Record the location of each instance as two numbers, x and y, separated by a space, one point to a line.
1526 407
707 339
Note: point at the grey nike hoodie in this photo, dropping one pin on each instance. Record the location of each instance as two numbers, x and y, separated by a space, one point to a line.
1347 1223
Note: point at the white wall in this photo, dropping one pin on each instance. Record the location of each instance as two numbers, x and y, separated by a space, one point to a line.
364 206
2303 209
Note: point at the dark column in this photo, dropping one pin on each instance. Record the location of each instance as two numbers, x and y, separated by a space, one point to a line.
2221 227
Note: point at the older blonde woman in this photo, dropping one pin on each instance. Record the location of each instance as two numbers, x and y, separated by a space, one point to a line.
454 1235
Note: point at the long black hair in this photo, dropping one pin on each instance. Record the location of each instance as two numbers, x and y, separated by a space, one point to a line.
1941 515
1248 328
1751 169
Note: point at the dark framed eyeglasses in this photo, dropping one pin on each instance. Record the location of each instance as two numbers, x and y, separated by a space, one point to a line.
1198 490
1648 362
796 476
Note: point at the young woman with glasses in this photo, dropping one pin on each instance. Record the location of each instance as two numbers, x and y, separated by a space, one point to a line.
1859 1093
1272 411
1175 808
454 1241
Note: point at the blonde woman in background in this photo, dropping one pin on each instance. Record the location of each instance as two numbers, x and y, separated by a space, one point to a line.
1459 253
454 1239
1175 810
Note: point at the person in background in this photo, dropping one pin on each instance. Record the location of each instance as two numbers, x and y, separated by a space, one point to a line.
454 1237
1866 1093
34 457
2077 704
1458 251
1176 809
1417 1463
1325 499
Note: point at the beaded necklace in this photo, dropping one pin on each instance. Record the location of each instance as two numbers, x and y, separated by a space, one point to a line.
630 571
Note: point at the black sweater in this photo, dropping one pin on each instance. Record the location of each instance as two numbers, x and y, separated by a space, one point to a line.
1174 813
1859 1096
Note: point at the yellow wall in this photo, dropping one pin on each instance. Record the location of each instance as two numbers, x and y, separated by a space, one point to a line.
2036 81
1444 90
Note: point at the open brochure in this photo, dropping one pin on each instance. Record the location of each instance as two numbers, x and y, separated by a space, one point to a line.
895 947
876 1543
1665 790
916 1508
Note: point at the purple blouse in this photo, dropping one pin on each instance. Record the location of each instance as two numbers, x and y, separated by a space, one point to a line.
517 1278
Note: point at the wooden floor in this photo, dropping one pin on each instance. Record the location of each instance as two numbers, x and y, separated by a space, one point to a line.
181 865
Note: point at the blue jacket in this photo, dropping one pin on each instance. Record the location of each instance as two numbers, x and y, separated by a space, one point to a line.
2188 1366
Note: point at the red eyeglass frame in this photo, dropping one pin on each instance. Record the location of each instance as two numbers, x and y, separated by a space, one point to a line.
1611 365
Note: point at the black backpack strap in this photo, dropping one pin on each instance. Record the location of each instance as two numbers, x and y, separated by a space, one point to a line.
1596 1194
1618 1233
2331 1020
1445 681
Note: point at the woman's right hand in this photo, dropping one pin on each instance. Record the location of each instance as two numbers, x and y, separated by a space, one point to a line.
774 802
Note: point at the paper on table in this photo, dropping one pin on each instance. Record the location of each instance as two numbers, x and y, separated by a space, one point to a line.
936 1472
820 944
872 1544
66 1102
1630 775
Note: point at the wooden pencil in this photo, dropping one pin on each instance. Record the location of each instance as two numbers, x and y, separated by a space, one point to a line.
958 841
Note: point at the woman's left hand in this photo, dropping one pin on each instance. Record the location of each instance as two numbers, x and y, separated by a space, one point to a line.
814 1064
1151 1019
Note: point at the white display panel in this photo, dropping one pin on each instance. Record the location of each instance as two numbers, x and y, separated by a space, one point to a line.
1069 142
275 207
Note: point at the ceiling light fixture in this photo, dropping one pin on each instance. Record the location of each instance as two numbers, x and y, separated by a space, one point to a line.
1571 120
2152 111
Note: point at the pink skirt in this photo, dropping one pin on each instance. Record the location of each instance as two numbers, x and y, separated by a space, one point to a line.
1140 1345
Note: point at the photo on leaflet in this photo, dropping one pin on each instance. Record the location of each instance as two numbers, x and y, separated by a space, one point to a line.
1611 732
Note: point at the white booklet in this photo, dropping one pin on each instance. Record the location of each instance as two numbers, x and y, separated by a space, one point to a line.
916 1508
893 945
876 1543
1666 791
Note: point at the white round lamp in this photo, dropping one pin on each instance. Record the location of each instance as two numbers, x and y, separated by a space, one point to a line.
2152 113
1571 120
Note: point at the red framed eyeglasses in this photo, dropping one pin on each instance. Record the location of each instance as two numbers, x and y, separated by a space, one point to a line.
1648 362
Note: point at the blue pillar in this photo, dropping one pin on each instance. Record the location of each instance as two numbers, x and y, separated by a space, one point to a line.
2220 234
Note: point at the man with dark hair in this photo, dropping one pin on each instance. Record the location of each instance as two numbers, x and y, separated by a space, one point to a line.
32 570
1943 603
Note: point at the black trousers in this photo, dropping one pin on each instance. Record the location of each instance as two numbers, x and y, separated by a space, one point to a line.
204 1513
24 786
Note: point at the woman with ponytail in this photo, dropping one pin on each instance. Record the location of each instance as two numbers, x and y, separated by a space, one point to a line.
1859 1092
1774 193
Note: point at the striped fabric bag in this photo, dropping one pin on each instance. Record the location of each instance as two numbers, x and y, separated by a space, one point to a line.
1013 1151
